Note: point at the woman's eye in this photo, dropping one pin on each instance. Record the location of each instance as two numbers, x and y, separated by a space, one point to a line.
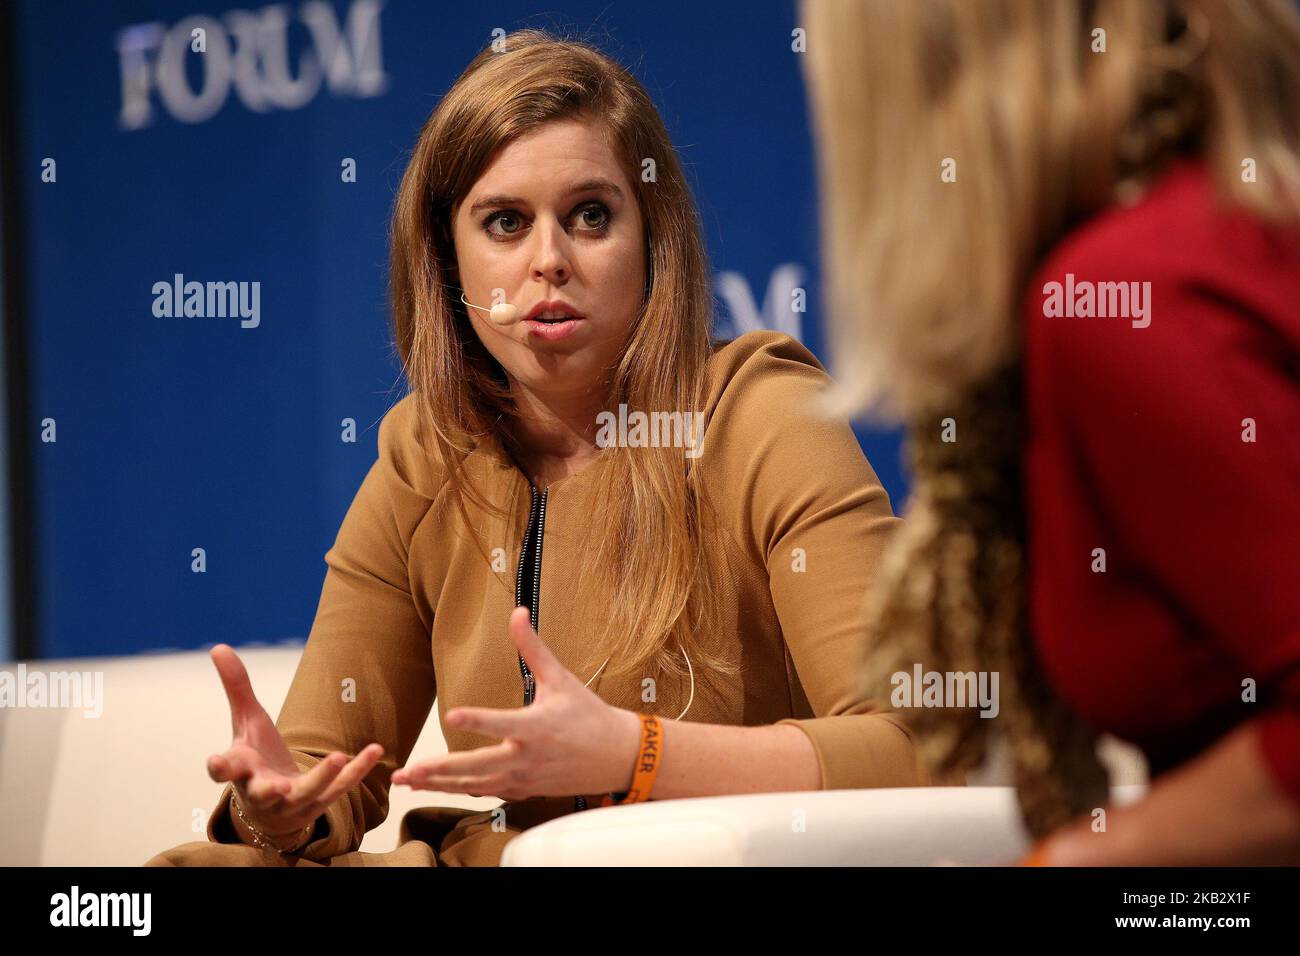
509 220
594 217
600 213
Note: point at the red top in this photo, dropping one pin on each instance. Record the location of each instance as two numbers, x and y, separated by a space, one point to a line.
1136 447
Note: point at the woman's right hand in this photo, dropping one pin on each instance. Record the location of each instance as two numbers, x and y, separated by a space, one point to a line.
274 794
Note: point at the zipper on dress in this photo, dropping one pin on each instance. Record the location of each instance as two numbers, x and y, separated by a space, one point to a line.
529 581
532 571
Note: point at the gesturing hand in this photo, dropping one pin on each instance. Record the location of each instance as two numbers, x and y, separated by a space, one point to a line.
567 741
279 798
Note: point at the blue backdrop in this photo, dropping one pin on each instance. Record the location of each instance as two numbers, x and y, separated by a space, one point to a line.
174 433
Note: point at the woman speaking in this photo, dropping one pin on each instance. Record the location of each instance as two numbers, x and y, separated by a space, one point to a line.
666 608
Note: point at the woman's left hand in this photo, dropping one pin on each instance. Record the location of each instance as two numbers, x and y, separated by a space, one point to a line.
567 741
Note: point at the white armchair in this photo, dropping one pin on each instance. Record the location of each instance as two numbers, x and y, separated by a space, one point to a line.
116 789
915 826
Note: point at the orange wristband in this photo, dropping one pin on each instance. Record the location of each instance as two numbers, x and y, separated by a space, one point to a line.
647 763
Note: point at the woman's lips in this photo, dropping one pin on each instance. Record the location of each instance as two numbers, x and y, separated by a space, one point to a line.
551 331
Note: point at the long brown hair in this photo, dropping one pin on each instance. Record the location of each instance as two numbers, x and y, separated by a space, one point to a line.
649 547
925 278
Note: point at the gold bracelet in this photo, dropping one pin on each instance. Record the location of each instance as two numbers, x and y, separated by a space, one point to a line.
260 839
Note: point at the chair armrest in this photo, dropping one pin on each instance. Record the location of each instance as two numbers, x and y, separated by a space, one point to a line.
912 826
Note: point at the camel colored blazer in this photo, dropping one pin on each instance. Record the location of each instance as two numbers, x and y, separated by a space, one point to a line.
412 613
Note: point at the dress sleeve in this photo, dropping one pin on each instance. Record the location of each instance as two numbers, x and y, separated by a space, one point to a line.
366 673
1160 419
818 517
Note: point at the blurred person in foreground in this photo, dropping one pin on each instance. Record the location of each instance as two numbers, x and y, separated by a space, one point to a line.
1062 247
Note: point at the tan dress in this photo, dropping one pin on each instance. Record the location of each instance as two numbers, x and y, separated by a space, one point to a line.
414 614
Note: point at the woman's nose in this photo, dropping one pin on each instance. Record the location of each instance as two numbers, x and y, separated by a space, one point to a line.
551 252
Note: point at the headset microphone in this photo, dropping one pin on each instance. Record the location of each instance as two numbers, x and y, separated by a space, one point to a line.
503 313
